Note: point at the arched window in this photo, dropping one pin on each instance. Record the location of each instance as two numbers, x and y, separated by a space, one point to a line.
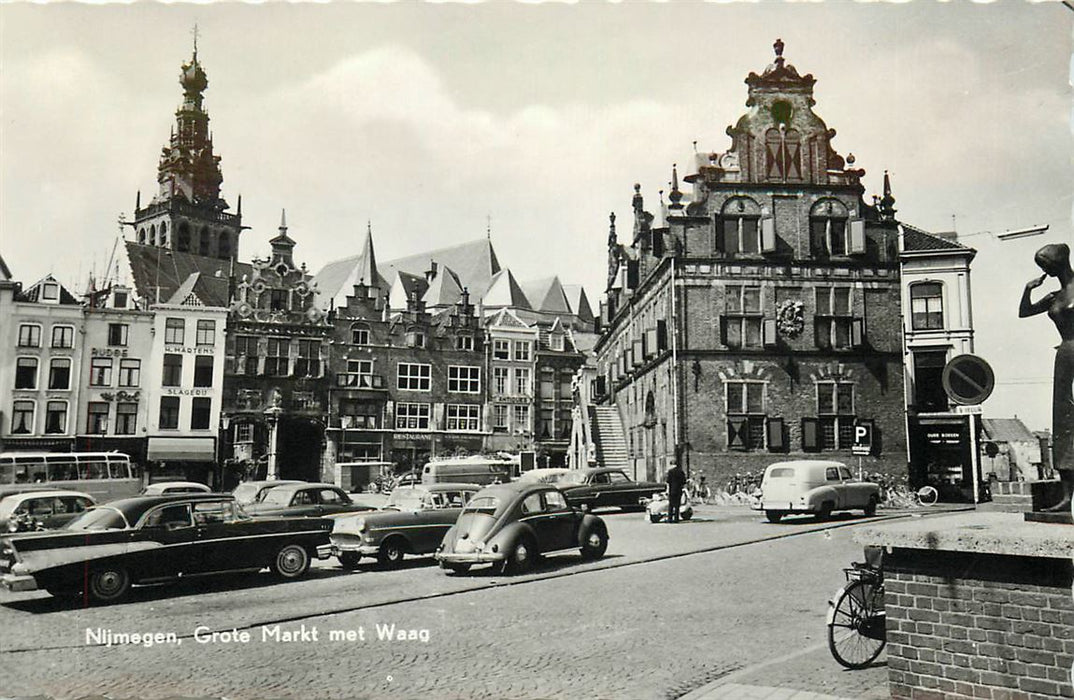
223 246
141 236
163 239
738 227
926 306
828 234
204 240
153 235
360 333
182 239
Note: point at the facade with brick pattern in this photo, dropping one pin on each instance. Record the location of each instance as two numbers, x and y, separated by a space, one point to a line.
757 318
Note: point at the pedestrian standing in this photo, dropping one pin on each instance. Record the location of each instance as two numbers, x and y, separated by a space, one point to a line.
676 479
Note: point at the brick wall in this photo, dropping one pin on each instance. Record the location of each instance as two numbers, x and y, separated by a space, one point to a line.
964 625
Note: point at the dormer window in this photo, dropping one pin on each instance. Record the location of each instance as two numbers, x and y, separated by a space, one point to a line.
359 334
50 291
556 342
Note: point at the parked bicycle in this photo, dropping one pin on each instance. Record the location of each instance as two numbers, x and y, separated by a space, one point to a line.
857 624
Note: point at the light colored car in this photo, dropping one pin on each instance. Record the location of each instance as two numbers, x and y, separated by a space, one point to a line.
250 492
42 510
167 488
819 487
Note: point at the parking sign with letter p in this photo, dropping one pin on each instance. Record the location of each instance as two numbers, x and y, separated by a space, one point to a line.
863 438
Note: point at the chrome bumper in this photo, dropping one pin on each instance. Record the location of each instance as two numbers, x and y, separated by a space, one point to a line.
366 550
470 557
15 582
324 551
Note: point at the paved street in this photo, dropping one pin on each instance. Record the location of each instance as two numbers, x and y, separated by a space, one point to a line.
671 609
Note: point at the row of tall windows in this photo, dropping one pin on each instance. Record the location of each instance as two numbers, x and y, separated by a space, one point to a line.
502 350
129 371
29 336
200 413
175 332
59 373
749 426
514 418
277 360
24 414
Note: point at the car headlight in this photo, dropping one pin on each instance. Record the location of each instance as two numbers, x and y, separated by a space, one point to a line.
12 525
359 524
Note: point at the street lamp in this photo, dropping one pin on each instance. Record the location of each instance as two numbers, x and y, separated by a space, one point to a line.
1022 233
272 416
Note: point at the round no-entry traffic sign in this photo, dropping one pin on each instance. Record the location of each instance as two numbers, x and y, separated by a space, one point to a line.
968 380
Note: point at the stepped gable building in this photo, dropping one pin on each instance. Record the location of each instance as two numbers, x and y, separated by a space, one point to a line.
759 317
408 385
275 392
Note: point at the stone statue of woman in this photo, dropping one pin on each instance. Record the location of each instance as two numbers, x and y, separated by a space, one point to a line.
1054 260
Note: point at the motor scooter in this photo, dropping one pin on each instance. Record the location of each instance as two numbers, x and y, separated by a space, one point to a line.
657 507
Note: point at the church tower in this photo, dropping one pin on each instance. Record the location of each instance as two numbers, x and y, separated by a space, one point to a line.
188 215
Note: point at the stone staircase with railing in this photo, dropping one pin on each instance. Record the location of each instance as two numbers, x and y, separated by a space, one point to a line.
607 432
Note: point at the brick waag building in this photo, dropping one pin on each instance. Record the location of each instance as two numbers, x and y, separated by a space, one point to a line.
756 317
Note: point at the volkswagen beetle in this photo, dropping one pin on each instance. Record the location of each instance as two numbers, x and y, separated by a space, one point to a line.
510 525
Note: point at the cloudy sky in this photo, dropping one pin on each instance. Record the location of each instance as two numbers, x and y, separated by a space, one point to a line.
430 120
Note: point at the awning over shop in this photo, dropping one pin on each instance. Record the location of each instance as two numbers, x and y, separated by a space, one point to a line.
182 449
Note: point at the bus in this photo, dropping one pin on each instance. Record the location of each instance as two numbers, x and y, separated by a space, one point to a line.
104 475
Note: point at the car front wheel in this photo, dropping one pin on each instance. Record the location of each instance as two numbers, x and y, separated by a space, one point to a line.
291 562
774 516
391 553
109 584
349 560
596 543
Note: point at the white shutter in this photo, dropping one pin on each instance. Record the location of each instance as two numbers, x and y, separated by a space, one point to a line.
857 332
857 236
768 235
769 332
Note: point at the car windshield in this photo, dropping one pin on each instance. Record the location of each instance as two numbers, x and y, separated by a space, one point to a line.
574 477
102 518
482 504
277 497
405 499
245 493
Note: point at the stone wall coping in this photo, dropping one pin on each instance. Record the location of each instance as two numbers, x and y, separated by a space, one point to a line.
986 533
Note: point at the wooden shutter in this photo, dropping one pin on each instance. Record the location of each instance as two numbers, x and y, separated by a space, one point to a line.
738 433
776 442
857 236
810 435
768 235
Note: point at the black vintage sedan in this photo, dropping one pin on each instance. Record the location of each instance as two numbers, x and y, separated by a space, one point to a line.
146 539
598 488
413 521
510 525
305 500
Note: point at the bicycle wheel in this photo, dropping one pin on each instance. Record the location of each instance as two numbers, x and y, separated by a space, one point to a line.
927 495
856 633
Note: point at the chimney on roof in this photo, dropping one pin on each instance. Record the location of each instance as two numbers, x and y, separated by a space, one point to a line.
430 274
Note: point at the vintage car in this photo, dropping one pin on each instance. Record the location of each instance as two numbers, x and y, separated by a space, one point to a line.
163 488
42 510
250 492
145 539
598 488
544 476
305 499
819 487
510 525
413 521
